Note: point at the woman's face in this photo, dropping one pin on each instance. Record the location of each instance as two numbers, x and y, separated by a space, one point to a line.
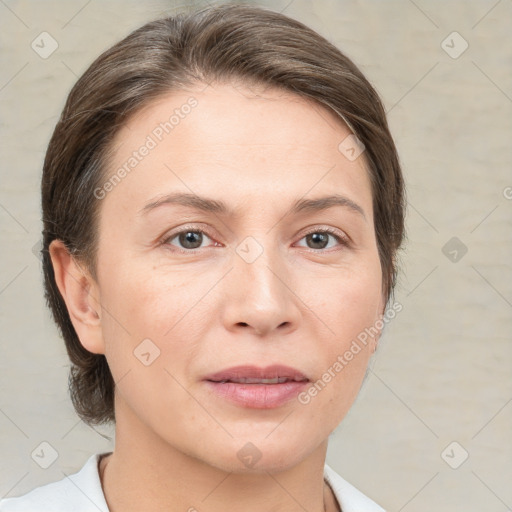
240 239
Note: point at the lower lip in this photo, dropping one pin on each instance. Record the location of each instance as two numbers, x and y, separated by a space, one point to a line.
257 396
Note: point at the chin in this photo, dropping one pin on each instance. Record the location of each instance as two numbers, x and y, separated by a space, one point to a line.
262 455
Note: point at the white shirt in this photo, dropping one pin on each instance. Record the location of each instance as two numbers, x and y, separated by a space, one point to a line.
82 492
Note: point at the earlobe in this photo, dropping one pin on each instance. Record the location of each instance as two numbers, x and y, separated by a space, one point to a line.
80 293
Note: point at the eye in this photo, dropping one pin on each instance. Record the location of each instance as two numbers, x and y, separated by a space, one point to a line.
323 239
188 239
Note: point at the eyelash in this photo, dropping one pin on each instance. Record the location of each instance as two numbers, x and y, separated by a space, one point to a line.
342 239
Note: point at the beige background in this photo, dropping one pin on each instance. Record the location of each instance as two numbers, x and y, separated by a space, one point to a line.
443 372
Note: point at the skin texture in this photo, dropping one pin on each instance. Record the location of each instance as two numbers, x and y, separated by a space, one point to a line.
208 309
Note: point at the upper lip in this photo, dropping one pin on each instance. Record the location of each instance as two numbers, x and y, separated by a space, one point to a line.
243 372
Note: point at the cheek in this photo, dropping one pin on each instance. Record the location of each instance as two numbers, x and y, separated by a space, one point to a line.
146 302
166 307
145 328
351 311
348 303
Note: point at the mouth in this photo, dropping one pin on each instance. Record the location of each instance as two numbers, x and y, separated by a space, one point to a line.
275 374
257 388
247 380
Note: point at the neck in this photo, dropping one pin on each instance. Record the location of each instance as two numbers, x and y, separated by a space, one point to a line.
152 475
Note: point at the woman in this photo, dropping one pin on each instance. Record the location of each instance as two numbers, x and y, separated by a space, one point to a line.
222 205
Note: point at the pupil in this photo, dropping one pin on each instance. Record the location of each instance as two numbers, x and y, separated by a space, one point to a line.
319 238
191 239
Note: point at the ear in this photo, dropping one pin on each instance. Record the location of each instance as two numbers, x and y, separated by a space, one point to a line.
81 295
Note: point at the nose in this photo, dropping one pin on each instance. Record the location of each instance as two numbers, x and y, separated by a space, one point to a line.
259 297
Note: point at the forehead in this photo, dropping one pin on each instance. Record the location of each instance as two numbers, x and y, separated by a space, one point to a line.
240 140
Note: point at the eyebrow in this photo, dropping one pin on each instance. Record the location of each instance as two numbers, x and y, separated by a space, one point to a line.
213 206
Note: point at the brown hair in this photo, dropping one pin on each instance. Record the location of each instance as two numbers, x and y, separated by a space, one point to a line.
215 44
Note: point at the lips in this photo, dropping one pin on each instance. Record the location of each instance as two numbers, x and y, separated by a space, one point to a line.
257 388
275 374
